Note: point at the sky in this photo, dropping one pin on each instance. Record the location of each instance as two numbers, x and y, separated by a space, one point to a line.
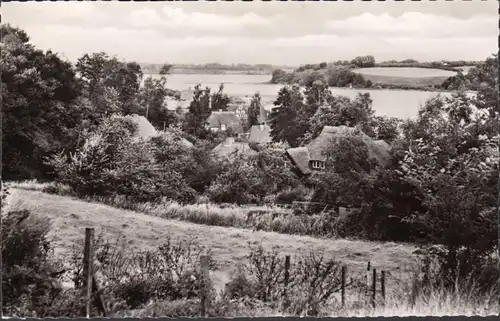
291 33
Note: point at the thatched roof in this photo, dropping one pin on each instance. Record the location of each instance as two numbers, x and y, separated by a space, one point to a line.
229 146
260 134
145 129
263 113
314 150
228 118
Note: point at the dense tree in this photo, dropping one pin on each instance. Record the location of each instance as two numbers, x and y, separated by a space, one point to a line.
342 111
166 69
283 118
39 91
100 73
198 112
254 110
151 102
453 162
220 100
364 61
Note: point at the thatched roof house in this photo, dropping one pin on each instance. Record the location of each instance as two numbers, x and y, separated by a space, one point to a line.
260 134
311 157
231 147
146 130
224 120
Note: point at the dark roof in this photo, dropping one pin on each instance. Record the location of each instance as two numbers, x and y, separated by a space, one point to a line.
230 146
301 156
228 118
260 134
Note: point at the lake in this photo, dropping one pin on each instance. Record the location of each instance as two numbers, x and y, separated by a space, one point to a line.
386 102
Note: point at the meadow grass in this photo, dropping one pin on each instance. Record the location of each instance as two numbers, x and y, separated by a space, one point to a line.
139 231
265 218
411 77
406 72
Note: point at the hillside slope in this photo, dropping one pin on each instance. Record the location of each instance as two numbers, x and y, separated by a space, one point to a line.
71 216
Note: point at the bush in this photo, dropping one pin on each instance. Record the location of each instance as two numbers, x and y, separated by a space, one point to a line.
170 272
113 162
31 275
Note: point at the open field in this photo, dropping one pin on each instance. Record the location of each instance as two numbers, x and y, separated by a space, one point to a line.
409 72
230 245
405 76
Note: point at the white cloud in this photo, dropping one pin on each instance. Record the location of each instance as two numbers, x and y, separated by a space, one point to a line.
170 17
411 24
176 34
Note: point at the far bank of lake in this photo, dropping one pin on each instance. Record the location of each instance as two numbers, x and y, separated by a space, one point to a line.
386 102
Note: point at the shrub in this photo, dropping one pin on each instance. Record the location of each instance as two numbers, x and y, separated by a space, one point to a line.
170 272
31 275
112 162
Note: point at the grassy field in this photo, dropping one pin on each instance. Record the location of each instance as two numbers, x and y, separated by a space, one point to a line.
405 76
139 231
230 245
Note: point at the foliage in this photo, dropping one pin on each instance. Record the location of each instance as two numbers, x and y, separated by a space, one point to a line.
364 61
249 179
342 111
30 274
169 272
313 280
283 117
151 101
454 163
198 112
254 110
100 73
38 111
220 100
112 161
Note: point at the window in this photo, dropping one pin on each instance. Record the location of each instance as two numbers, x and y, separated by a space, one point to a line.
315 164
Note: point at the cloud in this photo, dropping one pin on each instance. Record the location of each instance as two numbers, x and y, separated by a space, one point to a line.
175 33
177 18
414 24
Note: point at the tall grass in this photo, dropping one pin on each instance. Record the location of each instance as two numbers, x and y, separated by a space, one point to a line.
262 218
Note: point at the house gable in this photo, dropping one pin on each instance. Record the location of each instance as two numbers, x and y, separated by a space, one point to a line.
311 157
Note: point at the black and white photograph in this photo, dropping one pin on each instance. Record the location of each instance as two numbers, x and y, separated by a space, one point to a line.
249 159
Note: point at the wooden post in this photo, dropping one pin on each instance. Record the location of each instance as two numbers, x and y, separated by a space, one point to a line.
204 285
344 268
374 287
88 268
285 283
382 285
367 277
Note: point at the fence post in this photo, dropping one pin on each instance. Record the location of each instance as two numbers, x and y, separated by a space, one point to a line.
88 268
285 283
374 287
382 285
204 285
367 278
342 289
